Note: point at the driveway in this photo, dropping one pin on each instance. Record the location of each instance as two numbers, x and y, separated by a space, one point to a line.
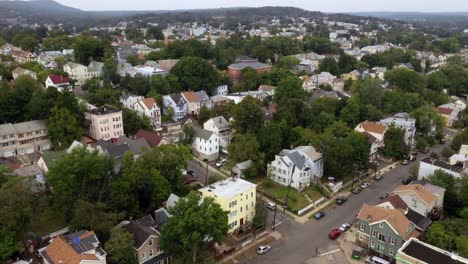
302 242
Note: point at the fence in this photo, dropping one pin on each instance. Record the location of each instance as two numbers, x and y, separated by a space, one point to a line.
307 208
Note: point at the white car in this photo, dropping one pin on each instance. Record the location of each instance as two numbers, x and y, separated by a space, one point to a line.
221 163
365 185
344 227
263 249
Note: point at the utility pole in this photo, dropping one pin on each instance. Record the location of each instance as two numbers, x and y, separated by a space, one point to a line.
274 218
206 173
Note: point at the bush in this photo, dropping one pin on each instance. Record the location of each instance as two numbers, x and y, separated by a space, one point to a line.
434 155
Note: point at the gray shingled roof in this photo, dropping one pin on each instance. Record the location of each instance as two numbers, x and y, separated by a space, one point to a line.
30 126
7 129
202 133
297 158
160 218
140 233
254 65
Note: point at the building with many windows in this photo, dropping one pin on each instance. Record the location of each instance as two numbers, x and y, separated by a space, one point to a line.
23 138
236 196
104 123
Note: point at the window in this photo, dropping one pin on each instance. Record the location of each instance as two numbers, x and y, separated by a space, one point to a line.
372 244
251 194
381 225
143 256
150 242
241 209
233 224
246 196
381 238
233 204
380 248
361 237
361 226
374 233
390 251
233 213
392 240
150 252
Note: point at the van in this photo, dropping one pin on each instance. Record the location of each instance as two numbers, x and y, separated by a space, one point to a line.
376 260
270 205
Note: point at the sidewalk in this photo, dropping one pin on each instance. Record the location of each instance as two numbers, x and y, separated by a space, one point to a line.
269 235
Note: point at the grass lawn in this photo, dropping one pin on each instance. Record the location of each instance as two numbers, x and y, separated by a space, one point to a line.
313 193
296 200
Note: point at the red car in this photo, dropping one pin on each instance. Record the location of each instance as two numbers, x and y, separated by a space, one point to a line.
334 234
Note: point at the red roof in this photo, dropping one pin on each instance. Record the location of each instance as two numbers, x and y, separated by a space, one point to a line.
59 79
444 111
153 138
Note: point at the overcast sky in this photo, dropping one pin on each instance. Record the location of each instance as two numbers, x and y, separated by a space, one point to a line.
315 5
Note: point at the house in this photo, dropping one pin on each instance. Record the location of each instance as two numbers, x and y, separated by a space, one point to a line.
167 65
383 231
48 158
268 90
221 128
104 123
205 144
195 101
77 248
297 167
82 73
34 175
47 59
221 90
416 251
375 134
129 100
461 157
236 196
145 232
23 138
235 69
153 138
175 105
60 82
324 78
378 72
148 107
308 83
239 169
23 56
449 112
418 198
18 71
438 191
428 166
137 146
404 121
7 49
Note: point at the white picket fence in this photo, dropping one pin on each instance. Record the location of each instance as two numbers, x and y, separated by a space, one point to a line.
307 208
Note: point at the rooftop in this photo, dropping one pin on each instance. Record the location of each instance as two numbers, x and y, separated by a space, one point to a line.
253 64
418 190
103 110
442 164
429 254
229 188
30 126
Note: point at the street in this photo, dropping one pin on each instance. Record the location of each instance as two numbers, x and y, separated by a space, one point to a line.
199 171
300 242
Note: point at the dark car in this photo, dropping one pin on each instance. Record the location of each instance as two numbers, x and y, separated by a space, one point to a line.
341 200
334 234
406 181
383 196
319 215
442 141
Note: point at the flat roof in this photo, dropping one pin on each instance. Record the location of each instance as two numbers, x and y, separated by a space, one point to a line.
103 110
229 188
430 254
442 164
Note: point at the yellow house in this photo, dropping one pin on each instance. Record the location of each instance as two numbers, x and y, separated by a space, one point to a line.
236 196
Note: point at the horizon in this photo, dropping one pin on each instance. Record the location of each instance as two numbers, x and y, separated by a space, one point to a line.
430 6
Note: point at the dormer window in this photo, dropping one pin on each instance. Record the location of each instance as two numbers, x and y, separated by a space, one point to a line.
150 242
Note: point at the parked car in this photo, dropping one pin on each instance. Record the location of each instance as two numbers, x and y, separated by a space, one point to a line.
407 181
356 190
365 185
221 163
378 177
405 162
270 205
376 260
442 141
357 253
412 158
319 215
383 196
334 234
341 200
344 227
263 249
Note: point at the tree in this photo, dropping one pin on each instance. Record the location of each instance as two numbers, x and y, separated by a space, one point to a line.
427 118
153 32
261 216
395 142
193 220
25 40
330 65
442 179
120 247
8 243
110 71
80 175
290 88
188 135
243 147
249 79
196 74
406 79
438 236
63 128
248 116
350 114
288 62
88 48
134 122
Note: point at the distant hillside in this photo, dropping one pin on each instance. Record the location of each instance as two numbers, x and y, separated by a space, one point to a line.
418 16
36 8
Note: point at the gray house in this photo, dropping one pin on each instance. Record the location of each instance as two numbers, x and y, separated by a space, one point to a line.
383 231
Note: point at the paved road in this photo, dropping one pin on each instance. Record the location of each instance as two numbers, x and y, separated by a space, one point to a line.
301 241
199 170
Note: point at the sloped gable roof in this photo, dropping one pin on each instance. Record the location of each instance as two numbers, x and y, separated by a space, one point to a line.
373 127
417 190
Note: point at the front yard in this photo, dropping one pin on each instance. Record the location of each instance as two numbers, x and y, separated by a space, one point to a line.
296 200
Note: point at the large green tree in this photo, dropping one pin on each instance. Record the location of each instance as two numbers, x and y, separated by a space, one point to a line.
193 220
120 247
248 116
395 142
290 88
63 128
196 74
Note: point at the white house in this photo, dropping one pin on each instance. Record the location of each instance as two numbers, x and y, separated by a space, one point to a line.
58 81
148 107
461 157
129 100
196 100
176 104
221 128
82 73
298 167
428 166
47 58
205 144
375 134
18 71
418 198
404 121
222 90
449 113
